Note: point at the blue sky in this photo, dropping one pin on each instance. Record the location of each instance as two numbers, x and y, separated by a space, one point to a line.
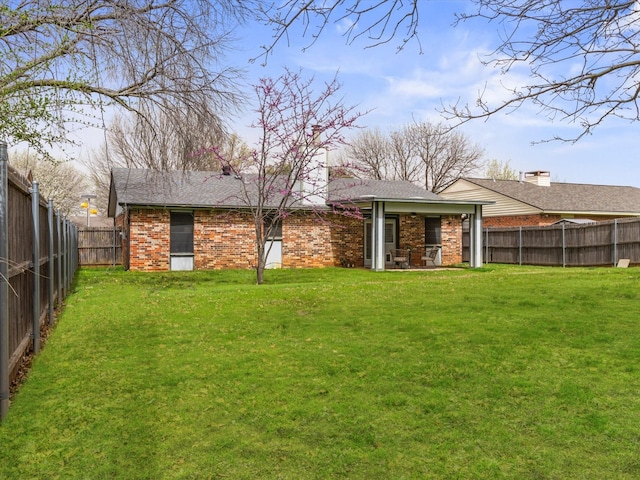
400 87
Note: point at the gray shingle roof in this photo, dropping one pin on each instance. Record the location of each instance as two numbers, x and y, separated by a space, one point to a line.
567 197
353 188
209 189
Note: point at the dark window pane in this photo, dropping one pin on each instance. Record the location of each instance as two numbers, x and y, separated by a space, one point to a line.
276 225
432 234
181 232
389 232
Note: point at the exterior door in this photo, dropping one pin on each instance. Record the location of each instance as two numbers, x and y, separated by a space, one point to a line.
433 236
390 231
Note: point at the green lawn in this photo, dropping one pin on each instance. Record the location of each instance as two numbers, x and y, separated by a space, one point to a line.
501 372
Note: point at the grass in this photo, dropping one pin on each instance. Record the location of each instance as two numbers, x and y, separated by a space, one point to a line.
501 372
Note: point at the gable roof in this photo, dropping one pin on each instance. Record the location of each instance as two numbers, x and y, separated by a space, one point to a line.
560 197
213 189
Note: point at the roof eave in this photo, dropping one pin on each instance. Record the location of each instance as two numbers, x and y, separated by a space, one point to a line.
374 198
215 207
591 212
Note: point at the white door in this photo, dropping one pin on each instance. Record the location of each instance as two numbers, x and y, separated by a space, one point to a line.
274 257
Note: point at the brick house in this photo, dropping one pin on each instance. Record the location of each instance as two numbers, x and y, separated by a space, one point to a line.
199 220
536 201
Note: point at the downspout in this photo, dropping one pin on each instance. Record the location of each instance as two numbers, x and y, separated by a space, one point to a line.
126 231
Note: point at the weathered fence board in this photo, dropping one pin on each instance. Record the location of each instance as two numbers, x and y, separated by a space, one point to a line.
596 244
38 259
99 246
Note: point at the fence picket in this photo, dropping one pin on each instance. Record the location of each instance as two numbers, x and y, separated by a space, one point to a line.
30 243
595 244
99 246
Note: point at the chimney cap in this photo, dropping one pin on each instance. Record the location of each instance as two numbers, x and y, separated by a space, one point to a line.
541 178
538 173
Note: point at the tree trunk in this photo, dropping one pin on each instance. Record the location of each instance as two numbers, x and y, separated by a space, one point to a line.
260 244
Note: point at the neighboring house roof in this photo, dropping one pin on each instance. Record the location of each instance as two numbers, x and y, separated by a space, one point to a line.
212 189
575 221
515 197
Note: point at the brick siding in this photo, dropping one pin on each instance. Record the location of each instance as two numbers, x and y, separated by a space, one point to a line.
149 239
227 239
223 240
451 226
536 220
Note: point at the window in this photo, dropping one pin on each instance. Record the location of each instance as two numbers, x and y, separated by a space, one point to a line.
181 232
432 231
276 225
390 232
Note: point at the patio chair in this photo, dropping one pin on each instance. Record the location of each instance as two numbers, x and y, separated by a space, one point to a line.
400 257
430 256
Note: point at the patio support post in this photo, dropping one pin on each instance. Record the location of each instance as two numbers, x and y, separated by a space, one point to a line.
4 284
377 237
475 227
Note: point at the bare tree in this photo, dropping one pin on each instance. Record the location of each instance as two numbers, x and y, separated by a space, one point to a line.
433 156
288 170
177 142
500 170
59 181
60 60
378 22
446 154
369 155
407 165
583 57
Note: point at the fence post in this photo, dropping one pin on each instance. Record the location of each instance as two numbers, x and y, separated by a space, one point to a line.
4 284
51 258
564 262
615 241
520 246
65 250
59 257
486 246
74 249
35 216
115 251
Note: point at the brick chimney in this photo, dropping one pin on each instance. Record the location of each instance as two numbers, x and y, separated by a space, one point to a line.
539 178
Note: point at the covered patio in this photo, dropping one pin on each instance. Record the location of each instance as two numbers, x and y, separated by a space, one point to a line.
381 210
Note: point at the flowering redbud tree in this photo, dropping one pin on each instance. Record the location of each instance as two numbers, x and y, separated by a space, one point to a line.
287 171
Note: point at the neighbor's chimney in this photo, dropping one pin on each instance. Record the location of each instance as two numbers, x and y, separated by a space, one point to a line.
316 132
539 178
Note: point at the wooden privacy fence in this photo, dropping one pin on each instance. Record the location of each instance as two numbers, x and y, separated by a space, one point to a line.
38 260
99 246
595 244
